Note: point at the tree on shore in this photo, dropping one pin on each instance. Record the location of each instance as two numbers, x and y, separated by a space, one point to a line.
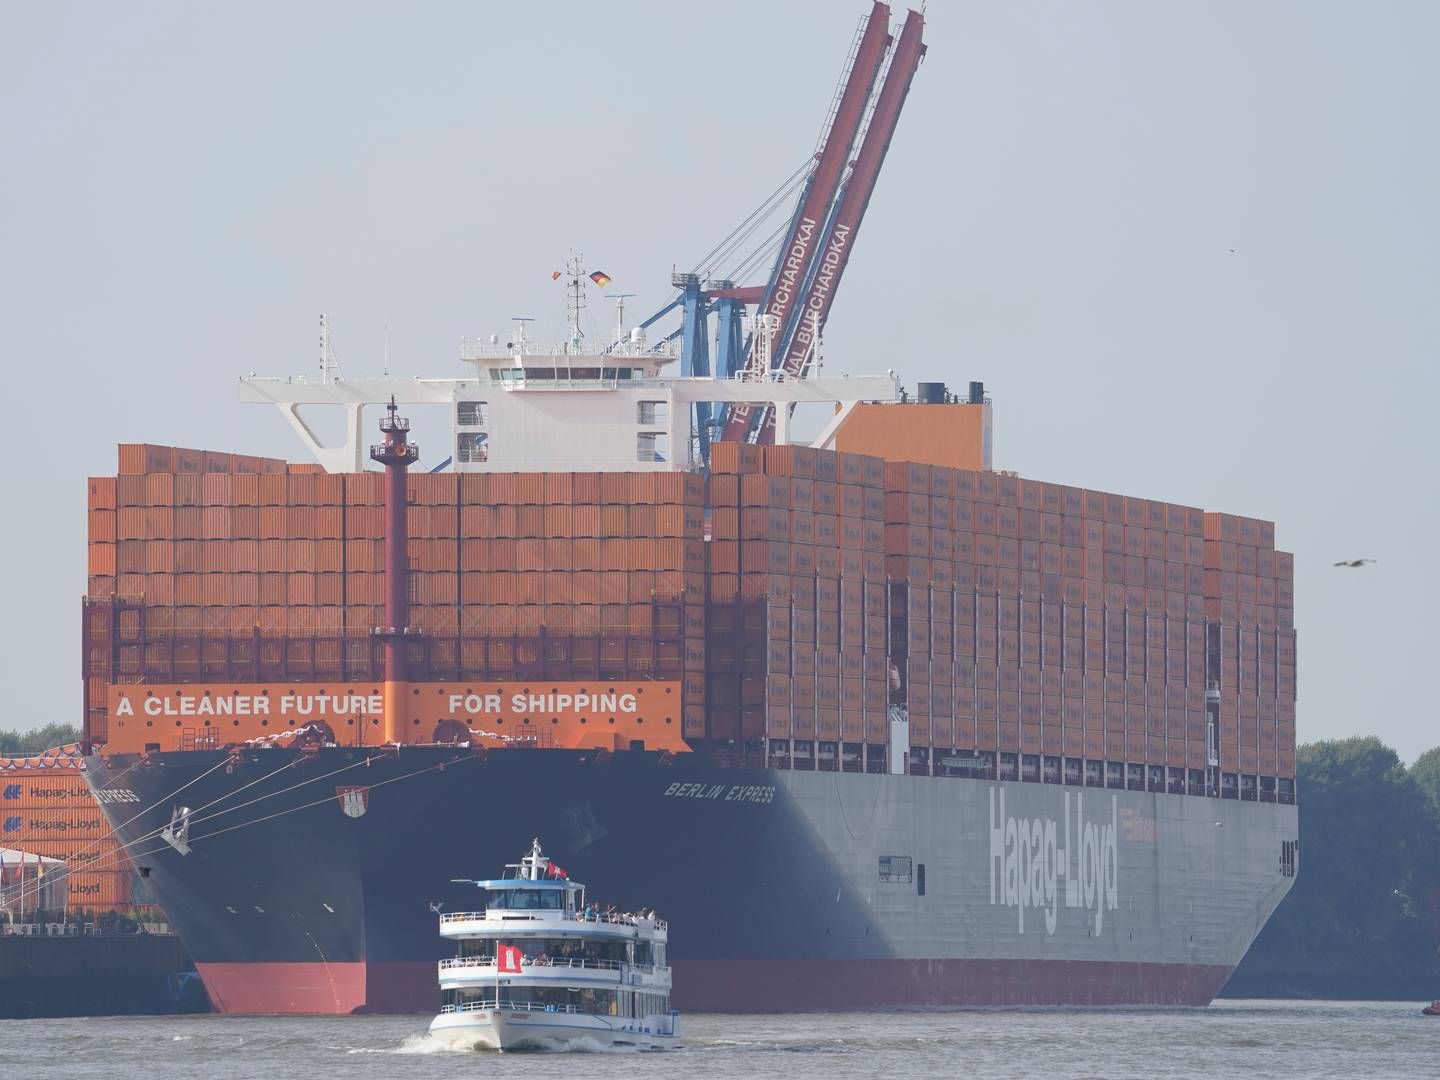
24 743
1369 863
1426 772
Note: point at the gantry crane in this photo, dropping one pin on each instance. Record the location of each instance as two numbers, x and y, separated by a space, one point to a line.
814 249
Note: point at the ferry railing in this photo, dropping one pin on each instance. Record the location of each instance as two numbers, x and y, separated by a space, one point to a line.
513 1006
599 917
567 962
462 916
667 1028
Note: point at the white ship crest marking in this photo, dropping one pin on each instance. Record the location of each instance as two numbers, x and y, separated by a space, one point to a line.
1030 869
354 801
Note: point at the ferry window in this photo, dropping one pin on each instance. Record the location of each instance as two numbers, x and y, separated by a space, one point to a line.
920 880
470 413
525 899
652 446
896 869
472 446
651 413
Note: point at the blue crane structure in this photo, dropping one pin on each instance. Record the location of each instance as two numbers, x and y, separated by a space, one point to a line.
814 246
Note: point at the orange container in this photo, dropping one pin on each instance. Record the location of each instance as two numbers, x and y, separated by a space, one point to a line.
730 457
790 460
101 559
365 489
160 489
433 489
101 493
613 521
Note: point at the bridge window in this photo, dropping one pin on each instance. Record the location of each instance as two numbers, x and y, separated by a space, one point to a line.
896 869
652 446
652 413
472 446
471 413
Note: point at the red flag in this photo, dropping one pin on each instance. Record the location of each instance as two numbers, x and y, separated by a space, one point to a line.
558 871
509 957
554 274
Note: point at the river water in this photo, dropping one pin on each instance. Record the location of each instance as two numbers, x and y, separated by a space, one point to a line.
1229 1039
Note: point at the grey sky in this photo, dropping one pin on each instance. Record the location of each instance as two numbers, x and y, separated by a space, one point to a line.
1191 249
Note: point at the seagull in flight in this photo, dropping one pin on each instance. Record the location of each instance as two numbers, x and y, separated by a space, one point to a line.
1354 562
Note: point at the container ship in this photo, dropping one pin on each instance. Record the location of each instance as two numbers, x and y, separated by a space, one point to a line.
871 722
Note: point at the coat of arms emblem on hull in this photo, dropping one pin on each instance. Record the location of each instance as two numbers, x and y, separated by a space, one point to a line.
353 800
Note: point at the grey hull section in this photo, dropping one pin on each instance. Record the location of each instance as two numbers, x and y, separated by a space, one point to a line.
1041 872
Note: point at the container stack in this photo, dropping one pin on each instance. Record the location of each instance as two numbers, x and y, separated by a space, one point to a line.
1250 605
797 603
47 810
820 609
577 552
1066 629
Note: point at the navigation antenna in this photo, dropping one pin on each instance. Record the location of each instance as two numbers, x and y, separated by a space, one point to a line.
575 301
329 366
517 343
620 299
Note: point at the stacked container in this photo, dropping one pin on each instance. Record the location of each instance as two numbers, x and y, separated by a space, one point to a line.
46 809
797 604
1250 603
806 601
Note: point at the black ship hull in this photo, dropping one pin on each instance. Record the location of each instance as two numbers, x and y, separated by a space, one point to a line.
311 881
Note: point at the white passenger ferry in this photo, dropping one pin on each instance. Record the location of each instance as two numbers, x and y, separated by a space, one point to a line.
541 968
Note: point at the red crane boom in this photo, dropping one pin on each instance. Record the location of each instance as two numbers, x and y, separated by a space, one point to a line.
799 250
855 197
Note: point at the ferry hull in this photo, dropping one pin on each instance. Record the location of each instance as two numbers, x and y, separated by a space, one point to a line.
504 1029
784 890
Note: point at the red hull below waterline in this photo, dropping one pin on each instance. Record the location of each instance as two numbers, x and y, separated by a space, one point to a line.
745 985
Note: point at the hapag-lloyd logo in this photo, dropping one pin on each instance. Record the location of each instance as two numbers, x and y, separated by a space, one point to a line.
1029 868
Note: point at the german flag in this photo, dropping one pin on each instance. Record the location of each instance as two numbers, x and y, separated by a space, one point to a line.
600 278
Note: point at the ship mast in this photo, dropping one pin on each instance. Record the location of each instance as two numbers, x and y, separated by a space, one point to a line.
575 302
397 453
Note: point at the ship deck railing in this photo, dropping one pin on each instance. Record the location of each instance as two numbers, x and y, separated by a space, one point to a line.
667 1028
563 962
513 1006
618 919
12 927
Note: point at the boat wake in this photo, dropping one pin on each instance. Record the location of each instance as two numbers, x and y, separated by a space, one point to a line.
584 1044
428 1044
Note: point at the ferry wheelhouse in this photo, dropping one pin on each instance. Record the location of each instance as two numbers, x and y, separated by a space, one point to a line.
542 967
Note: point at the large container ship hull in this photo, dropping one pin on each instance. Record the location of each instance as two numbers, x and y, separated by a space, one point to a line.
312 879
